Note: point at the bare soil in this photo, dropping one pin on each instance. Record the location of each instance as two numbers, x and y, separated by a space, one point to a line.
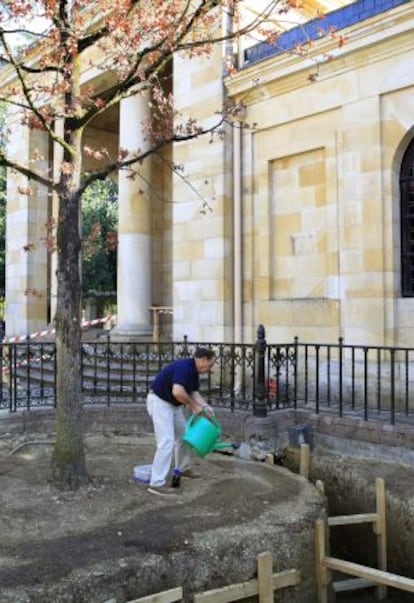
36 516
46 533
73 546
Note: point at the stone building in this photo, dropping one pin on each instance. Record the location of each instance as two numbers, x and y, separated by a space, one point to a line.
301 221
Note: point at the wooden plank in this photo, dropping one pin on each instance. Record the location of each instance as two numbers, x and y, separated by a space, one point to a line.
264 577
377 576
341 520
352 584
285 578
235 592
166 596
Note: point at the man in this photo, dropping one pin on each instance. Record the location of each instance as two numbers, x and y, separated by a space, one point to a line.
175 388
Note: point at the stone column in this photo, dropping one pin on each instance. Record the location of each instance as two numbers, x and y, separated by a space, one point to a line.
26 254
56 163
134 294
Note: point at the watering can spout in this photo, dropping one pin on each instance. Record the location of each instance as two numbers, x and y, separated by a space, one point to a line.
219 445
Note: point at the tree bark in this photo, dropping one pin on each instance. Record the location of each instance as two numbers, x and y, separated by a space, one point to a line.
68 465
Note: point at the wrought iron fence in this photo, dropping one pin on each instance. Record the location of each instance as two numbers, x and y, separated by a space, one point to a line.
370 382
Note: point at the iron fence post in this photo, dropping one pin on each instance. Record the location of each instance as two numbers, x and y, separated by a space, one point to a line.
259 402
341 374
185 346
295 368
392 384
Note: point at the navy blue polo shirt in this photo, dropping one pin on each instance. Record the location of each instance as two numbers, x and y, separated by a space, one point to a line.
182 371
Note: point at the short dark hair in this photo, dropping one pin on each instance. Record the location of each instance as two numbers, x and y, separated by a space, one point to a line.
204 353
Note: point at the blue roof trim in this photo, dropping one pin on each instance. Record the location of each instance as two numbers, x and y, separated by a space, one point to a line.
312 30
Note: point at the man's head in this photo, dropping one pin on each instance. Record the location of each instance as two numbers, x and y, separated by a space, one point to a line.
204 359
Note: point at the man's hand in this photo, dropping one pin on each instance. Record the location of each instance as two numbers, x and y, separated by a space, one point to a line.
207 410
198 405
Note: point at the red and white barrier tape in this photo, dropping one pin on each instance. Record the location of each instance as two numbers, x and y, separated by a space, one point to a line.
26 362
85 323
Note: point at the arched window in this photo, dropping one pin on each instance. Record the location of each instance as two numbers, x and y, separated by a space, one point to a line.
407 222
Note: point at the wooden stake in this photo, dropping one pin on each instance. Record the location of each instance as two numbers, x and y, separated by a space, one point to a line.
304 460
320 570
319 485
381 532
265 577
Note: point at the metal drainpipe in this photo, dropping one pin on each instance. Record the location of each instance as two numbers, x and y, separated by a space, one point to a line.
228 50
237 235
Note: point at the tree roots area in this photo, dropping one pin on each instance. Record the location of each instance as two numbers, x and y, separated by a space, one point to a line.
51 537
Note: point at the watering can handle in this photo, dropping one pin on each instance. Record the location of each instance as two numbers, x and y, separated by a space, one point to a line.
207 411
211 418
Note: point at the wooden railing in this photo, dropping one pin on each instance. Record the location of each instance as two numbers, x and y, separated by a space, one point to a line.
365 576
264 586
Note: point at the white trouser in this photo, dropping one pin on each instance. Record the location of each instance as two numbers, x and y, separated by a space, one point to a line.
169 425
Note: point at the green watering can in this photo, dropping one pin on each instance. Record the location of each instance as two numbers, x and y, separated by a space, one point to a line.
201 434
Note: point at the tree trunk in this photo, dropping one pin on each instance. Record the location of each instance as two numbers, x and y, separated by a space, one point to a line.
69 468
68 463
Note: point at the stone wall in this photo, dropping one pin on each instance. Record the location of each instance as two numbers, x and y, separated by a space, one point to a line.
321 196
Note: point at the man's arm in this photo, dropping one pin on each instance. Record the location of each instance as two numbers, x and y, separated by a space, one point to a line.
201 404
195 402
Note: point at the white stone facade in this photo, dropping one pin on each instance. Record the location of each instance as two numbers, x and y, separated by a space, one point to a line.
294 223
